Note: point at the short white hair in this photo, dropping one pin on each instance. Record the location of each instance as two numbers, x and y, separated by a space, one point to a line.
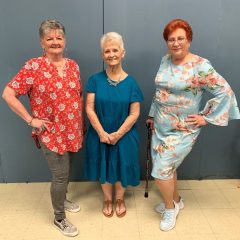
112 36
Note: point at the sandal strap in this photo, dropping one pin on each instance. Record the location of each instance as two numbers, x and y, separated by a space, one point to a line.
106 205
120 201
108 202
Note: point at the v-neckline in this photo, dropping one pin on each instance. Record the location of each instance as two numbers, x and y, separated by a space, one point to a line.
63 69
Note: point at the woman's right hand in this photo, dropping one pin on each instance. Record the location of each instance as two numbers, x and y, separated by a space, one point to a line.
150 123
104 137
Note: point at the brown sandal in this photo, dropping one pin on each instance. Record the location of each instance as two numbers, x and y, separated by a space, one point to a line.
106 205
119 202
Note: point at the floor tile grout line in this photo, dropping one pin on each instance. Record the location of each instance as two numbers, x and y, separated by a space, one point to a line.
136 199
135 206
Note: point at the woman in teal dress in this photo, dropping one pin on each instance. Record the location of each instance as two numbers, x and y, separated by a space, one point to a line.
113 106
175 117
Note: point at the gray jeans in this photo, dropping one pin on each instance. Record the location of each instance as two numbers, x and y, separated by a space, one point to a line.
60 166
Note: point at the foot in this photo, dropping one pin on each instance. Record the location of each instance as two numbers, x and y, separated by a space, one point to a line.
120 208
169 218
108 208
160 208
71 207
66 228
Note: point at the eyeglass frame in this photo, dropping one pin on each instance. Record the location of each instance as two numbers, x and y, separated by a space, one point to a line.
180 40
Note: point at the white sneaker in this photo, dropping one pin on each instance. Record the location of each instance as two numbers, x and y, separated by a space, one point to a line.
169 218
66 228
160 208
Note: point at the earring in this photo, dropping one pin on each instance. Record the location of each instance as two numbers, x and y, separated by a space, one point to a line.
43 50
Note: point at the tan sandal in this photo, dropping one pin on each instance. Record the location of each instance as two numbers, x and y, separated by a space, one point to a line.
106 205
119 202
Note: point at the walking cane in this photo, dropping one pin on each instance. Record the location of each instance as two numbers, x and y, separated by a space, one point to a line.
148 159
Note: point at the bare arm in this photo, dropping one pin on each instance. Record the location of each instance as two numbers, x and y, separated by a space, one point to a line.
11 97
128 123
93 118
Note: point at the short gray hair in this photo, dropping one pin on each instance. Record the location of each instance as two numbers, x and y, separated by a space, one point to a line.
112 36
50 24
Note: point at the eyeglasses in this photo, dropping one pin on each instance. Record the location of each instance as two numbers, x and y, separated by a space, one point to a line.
179 40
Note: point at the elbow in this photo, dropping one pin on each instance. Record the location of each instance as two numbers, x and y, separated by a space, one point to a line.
4 95
135 118
88 111
8 94
136 115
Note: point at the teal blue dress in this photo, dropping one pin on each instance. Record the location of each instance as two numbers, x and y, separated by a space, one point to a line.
120 162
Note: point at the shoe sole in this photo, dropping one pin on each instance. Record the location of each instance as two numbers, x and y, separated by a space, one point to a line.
66 234
165 230
121 214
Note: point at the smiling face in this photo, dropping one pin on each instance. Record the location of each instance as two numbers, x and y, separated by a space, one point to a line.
178 44
112 53
53 42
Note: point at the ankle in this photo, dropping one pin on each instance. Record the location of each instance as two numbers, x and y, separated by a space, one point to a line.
107 198
177 199
121 197
169 205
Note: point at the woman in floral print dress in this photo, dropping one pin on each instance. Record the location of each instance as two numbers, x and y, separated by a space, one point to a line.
53 85
175 117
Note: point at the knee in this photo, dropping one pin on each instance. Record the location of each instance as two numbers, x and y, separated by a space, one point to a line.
60 177
164 174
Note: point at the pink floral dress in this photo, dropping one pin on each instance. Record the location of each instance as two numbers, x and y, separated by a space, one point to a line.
54 98
179 90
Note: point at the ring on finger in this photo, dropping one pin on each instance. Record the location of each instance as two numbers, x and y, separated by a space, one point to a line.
43 127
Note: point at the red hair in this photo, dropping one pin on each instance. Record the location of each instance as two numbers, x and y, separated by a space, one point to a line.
175 24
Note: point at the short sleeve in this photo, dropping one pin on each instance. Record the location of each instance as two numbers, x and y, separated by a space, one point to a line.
136 94
91 85
23 81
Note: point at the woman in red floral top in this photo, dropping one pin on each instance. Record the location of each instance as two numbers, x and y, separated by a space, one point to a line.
53 85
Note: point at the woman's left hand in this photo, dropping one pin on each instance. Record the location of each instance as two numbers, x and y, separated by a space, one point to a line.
41 125
114 137
196 120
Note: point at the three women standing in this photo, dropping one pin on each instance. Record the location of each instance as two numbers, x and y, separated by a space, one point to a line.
53 85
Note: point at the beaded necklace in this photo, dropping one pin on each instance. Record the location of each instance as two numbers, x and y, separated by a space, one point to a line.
114 82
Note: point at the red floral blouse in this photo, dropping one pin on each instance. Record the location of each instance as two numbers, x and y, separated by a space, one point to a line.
54 98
